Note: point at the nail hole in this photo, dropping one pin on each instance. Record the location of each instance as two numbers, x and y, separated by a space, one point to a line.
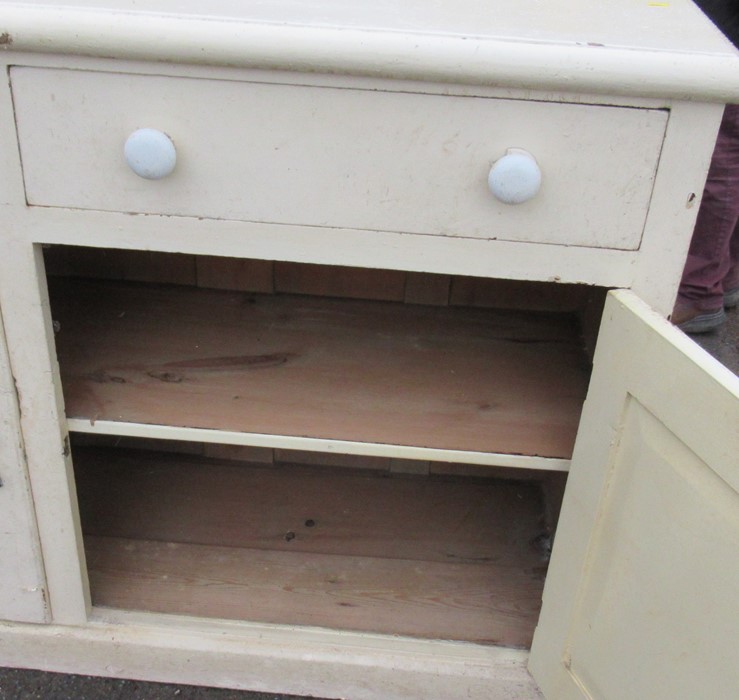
289 536
310 523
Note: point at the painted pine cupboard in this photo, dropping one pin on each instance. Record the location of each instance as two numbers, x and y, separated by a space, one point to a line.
301 267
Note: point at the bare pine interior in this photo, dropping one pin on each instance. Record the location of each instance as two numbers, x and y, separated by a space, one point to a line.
470 379
361 543
443 558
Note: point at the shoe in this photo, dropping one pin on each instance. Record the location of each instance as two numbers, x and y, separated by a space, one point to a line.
690 319
731 298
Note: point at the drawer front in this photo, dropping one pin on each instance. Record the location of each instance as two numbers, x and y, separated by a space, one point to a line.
335 157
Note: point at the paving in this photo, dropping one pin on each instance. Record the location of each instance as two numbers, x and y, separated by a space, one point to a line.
16 684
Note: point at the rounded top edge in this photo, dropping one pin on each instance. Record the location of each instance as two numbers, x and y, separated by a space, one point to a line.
488 61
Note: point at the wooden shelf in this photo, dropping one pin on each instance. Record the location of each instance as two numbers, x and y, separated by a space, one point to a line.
426 557
461 379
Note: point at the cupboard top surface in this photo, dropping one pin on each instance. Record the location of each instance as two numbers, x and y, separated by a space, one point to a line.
633 47
674 26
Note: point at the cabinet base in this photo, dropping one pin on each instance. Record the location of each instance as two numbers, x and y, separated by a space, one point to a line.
305 661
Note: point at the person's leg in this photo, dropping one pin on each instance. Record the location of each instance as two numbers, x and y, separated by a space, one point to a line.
701 296
731 281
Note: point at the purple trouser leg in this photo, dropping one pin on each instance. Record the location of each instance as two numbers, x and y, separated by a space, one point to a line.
712 266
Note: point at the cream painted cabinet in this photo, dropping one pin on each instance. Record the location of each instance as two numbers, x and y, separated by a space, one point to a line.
290 390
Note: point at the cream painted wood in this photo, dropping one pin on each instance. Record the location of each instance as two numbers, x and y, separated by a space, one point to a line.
640 599
268 658
22 583
28 329
286 76
678 188
352 159
655 54
599 22
640 48
653 271
11 183
339 447
381 249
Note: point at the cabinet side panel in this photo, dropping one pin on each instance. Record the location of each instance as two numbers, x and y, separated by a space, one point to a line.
22 585
31 351
678 188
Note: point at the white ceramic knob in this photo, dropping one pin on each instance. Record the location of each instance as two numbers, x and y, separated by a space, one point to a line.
515 178
150 153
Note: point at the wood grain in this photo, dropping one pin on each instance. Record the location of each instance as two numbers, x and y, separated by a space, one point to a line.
440 558
240 274
466 379
485 604
515 294
339 281
181 498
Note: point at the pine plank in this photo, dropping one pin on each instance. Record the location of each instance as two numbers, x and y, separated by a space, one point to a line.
517 294
461 379
79 261
243 453
240 274
485 604
333 460
338 281
179 498
433 558
132 265
151 266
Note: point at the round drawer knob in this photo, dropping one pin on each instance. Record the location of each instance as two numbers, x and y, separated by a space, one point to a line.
515 178
150 153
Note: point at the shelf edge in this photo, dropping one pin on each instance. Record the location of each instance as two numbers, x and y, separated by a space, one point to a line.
368 449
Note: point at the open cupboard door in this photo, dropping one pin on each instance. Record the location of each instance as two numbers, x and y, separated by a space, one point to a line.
641 597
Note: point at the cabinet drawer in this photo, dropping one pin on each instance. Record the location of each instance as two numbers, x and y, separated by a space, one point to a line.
334 157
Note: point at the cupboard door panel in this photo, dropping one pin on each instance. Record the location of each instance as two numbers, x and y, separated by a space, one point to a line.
640 601
22 584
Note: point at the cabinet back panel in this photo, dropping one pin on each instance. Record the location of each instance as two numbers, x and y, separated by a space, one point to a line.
267 277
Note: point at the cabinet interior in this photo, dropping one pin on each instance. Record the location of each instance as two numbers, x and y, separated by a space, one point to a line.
356 546
433 548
